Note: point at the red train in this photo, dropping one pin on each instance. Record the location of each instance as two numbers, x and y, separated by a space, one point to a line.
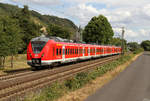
45 51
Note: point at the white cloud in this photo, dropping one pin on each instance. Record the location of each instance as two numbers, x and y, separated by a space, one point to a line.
82 12
39 2
128 33
136 20
131 34
146 9
132 14
88 8
117 3
145 33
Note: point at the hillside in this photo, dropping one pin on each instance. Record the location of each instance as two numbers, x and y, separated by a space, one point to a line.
7 9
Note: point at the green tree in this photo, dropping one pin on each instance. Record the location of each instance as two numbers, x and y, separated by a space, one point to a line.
133 46
25 12
3 45
58 31
116 41
29 29
98 30
146 45
11 39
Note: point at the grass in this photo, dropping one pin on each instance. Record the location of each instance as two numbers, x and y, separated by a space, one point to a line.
20 61
58 89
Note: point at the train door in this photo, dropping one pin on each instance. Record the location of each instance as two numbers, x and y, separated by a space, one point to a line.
63 54
54 53
83 51
103 50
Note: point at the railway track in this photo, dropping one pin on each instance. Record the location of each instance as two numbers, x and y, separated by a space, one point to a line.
13 85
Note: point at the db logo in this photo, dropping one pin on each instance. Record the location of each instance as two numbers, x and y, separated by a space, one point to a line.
36 55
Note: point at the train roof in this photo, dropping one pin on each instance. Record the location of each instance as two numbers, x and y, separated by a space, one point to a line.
65 41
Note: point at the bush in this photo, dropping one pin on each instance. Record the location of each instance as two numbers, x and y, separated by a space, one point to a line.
138 51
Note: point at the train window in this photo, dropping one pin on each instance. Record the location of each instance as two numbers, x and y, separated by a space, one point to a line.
57 51
76 51
66 51
79 51
37 46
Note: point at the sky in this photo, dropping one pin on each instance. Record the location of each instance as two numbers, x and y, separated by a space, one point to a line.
133 15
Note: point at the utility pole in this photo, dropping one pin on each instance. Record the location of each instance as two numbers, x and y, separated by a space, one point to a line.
78 36
122 44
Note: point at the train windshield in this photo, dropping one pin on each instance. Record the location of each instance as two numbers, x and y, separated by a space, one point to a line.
37 46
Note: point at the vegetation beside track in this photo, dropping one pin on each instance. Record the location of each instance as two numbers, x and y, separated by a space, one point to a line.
58 89
20 62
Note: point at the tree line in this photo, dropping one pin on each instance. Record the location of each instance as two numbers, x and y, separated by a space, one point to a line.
15 32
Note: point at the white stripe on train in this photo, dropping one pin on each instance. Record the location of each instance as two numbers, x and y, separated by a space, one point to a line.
70 59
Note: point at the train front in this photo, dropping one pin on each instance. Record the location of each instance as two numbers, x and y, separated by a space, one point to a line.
37 51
